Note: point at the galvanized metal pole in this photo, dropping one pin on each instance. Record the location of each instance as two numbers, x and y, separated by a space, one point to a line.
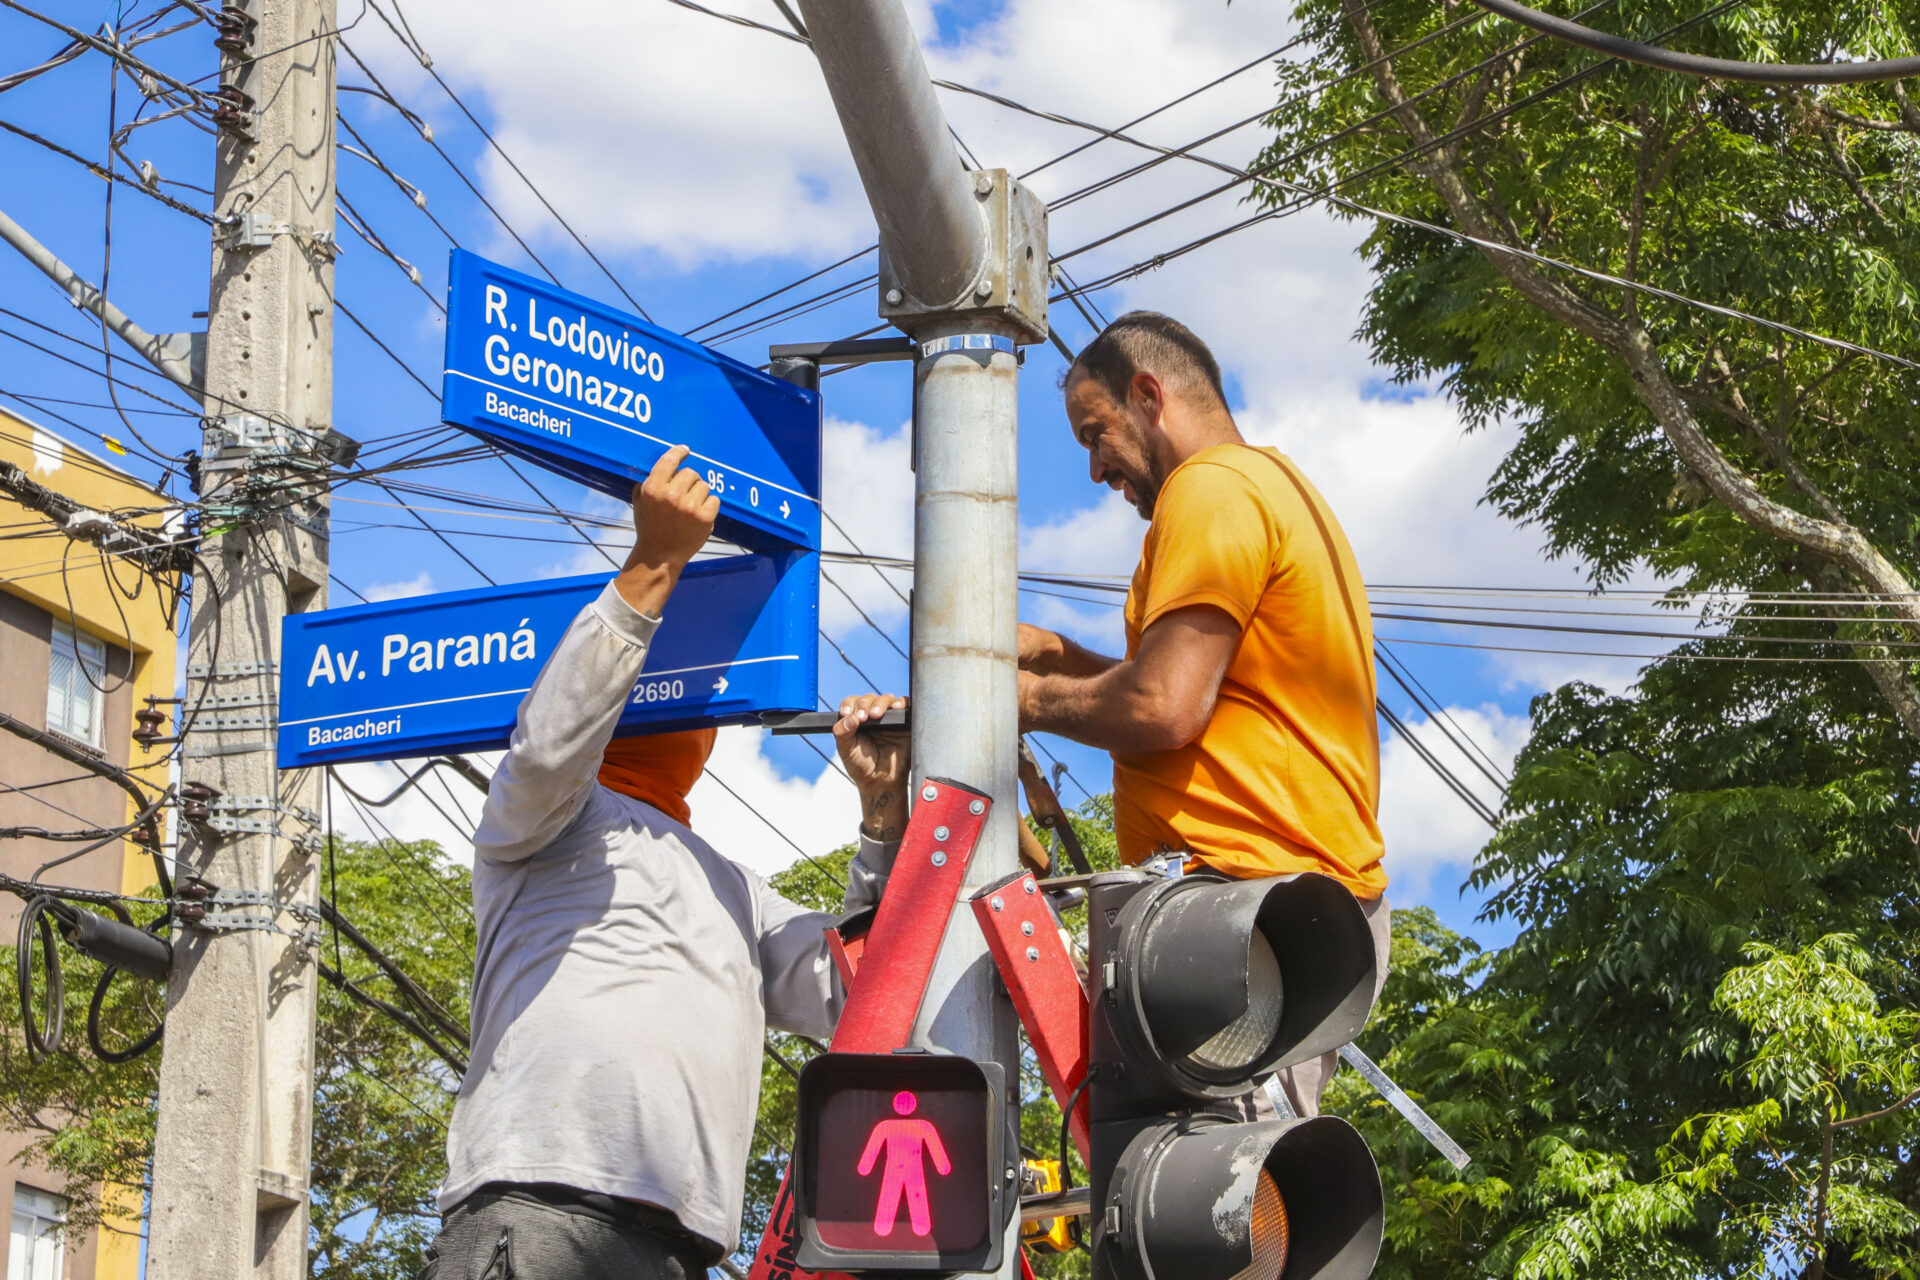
963 272
174 354
930 224
230 1168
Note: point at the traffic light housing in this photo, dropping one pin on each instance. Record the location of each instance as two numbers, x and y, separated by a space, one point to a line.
1201 988
903 1162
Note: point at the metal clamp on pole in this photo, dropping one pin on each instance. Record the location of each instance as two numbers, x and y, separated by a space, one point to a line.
968 344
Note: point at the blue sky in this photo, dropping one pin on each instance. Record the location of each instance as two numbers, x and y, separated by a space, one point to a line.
702 163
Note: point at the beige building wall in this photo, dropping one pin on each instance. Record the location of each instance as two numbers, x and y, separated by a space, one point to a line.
44 580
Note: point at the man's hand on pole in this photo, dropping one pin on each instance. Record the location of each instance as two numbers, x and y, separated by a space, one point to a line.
1040 649
672 518
878 762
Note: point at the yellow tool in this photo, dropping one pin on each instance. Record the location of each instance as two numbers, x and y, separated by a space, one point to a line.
1039 1178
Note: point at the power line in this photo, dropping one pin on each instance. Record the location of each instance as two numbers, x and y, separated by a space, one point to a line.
1439 768
769 824
1434 707
100 171
427 63
426 134
1304 197
1672 656
1101 136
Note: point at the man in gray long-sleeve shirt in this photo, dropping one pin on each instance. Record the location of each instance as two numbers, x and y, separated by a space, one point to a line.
626 972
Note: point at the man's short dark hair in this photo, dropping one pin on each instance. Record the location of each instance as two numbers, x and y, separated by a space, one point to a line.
1158 344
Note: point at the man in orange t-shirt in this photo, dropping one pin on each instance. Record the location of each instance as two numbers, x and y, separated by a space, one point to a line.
1241 720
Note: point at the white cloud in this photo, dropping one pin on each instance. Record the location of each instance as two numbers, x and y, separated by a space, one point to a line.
868 487
817 814
612 535
419 585
664 132
646 125
1103 539
1429 830
654 128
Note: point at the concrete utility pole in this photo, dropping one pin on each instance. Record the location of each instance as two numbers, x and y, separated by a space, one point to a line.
963 271
236 1078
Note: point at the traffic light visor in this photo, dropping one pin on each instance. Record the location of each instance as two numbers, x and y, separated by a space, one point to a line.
1221 982
1207 1199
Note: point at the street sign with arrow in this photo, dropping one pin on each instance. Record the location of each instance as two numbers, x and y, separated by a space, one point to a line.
597 394
446 672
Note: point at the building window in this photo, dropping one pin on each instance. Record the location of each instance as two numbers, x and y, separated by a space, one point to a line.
79 673
38 1248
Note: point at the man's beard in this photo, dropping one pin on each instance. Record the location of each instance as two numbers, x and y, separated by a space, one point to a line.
1146 493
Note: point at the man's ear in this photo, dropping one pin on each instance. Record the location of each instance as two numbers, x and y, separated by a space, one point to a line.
1150 395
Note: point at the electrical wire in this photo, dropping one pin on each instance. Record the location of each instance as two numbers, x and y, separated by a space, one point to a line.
426 63
1438 767
42 1039
1102 135
426 134
769 824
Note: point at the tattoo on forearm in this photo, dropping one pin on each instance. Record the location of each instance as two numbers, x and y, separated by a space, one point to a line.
876 820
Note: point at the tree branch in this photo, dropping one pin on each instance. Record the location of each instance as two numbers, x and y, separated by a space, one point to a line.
1834 540
1881 1114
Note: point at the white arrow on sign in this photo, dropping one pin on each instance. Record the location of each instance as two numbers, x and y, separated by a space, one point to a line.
786 511
720 685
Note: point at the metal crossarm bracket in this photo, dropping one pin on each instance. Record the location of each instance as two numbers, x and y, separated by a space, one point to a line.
269 804
235 701
223 670
223 821
227 749
241 910
249 231
227 724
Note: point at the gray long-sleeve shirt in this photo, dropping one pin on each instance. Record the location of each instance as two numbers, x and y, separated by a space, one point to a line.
625 972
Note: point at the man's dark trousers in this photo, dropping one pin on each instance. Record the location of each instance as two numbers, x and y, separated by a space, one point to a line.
509 1235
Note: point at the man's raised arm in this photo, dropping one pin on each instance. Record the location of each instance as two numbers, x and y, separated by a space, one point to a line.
1159 700
568 716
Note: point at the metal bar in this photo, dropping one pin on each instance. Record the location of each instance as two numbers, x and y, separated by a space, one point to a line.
1059 1204
1406 1106
845 351
789 722
169 353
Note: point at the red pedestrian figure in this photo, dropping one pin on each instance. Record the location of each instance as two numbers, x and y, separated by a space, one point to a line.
905 1175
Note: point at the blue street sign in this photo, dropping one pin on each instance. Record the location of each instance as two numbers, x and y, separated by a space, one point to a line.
598 395
446 672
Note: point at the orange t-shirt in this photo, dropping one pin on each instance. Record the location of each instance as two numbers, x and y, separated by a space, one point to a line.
1286 776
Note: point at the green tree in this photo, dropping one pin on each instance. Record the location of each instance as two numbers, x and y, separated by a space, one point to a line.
382 1098
1721 452
1650 843
1732 800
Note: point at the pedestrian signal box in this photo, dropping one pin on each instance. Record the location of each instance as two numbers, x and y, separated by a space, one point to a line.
904 1163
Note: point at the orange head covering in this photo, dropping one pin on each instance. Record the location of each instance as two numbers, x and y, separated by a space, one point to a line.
658 768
